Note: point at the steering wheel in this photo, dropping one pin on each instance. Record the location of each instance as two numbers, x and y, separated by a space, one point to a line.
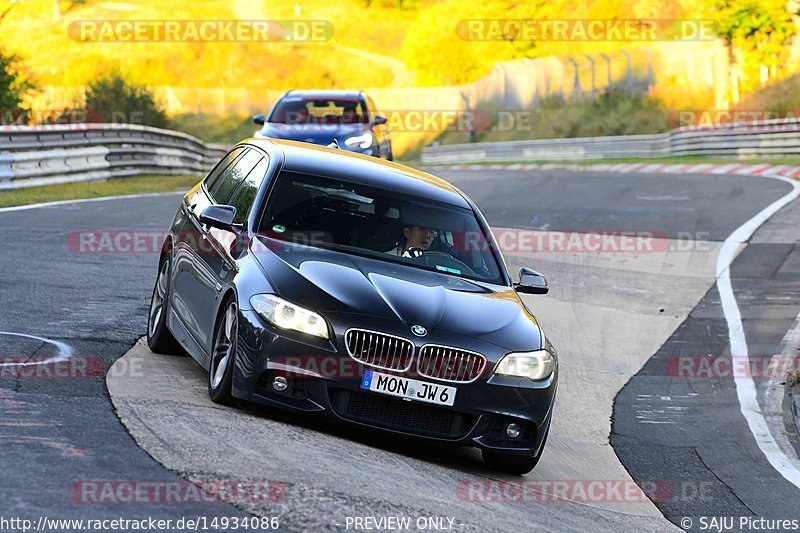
433 258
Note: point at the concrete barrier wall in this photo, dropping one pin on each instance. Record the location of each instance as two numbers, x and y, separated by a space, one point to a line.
770 138
41 155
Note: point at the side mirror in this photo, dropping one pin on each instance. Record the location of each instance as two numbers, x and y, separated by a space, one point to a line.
378 120
259 119
531 282
218 216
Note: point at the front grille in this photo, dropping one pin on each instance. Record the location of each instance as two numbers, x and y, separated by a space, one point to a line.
379 349
400 415
451 364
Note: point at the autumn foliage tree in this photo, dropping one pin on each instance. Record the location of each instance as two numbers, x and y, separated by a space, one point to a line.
758 34
113 99
13 83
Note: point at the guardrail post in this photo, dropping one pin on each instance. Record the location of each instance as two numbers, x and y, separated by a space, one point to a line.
651 77
591 63
628 72
533 80
577 92
608 68
5 166
547 83
470 125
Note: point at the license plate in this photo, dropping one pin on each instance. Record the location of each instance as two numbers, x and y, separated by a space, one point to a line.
408 389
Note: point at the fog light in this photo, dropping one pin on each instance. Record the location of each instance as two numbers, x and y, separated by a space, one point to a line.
280 384
513 431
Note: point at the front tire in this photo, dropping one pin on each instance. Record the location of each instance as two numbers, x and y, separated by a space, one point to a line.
159 337
223 355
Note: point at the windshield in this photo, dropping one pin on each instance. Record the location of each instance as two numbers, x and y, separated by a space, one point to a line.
298 110
333 214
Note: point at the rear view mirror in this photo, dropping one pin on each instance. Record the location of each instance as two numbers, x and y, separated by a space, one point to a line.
378 120
259 119
531 282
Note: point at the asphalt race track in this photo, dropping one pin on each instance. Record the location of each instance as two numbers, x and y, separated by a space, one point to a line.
620 319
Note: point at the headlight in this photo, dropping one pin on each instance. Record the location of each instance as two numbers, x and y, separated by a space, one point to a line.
532 365
287 315
363 141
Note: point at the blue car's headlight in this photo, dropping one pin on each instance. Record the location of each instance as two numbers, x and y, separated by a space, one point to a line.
532 365
363 141
287 315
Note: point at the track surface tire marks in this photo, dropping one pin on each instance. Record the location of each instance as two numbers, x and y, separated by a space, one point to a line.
58 432
694 425
696 207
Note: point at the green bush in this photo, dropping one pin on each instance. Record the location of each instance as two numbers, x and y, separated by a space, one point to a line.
13 83
781 97
226 129
113 99
614 112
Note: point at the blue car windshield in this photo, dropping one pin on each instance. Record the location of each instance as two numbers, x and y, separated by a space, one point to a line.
361 220
298 110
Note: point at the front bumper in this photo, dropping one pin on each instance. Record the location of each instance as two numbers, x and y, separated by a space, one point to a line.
324 379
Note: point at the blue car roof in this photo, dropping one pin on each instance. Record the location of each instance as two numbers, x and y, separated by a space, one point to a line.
311 94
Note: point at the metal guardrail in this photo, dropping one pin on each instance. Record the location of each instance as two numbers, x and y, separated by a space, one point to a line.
43 155
768 138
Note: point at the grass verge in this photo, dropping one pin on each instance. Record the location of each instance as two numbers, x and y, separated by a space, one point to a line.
96 189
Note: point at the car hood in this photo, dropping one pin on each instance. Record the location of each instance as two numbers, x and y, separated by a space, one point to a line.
335 282
313 133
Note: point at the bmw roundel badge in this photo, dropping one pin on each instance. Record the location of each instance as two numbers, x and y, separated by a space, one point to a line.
419 331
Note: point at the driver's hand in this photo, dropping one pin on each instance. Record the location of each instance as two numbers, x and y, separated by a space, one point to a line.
414 252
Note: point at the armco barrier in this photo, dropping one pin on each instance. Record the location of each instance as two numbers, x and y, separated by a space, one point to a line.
40 155
5 167
768 138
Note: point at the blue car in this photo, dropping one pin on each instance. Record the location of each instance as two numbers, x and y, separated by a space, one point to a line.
348 118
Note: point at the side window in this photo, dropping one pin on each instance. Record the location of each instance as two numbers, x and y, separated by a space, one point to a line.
221 167
223 188
244 196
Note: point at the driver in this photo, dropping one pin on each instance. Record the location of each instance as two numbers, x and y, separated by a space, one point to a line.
418 239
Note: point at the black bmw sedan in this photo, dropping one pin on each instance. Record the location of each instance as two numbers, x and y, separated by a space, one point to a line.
323 281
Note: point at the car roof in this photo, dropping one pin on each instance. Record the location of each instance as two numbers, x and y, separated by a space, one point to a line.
324 94
307 158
